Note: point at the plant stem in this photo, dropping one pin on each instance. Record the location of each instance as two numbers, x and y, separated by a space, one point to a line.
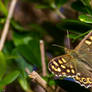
34 75
44 71
60 14
6 26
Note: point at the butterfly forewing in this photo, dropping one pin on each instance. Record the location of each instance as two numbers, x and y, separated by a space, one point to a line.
84 49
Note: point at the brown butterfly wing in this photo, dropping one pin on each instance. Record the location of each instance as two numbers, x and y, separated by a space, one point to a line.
84 49
83 74
62 66
80 68
84 65
68 66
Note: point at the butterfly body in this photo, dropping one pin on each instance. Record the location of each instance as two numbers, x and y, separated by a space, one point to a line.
75 63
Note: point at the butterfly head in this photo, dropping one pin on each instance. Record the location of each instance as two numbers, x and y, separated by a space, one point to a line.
72 53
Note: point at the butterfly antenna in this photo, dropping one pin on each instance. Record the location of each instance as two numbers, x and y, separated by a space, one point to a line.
66 49
58 46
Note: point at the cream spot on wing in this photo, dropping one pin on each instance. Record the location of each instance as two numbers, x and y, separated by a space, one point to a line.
63 66
52 67
55 69
84 80
77 77
72 70
71 66
59 70
89 80
55 63
60 61
90 37
63 60
88 42
68 70
63 73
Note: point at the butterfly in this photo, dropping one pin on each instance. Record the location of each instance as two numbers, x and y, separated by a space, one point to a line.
76 63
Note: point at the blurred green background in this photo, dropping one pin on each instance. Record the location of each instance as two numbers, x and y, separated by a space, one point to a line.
35 20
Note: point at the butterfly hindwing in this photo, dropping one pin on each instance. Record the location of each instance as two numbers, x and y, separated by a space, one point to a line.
83 75
61 66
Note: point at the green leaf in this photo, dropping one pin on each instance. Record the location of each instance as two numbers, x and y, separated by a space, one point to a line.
41 6
86 2
38 28
17 26
79 36
52 82
73 36
78 5
74 25
31 52
23 82
2 20
9 78
87 5
2 64
3 8
21 39
49 80
9 46
28 47
21 62
59 3
6 2
84 18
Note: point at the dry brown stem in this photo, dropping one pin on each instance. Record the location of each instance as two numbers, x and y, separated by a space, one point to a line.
44 72
6 26
34 75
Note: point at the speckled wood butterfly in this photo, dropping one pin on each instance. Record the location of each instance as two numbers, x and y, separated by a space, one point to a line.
75 63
